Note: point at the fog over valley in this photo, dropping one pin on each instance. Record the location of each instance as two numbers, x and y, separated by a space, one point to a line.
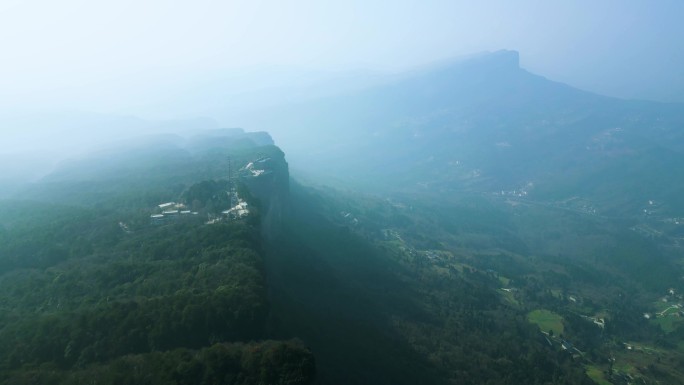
262 192
218 61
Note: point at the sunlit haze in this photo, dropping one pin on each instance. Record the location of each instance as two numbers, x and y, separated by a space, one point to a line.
181 59
346 192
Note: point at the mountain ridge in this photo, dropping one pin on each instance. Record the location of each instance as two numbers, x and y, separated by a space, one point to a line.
484 125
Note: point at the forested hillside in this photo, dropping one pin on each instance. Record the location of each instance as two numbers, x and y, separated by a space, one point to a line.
199 261
487 125
94 285
470 291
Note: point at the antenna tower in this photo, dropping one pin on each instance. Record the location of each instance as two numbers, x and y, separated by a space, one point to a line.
232 191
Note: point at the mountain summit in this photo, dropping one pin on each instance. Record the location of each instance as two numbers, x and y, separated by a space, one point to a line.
483 125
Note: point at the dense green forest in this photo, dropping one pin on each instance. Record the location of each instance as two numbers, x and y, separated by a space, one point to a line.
91 288
462 292
102 293
351 289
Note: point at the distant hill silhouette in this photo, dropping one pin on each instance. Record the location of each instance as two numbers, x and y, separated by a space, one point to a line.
484 124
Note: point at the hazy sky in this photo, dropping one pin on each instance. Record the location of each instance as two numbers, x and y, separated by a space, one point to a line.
93 55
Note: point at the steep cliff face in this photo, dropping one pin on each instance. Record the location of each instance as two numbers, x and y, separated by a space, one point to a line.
268 180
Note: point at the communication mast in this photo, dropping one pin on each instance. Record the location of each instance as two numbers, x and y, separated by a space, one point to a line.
232 190
230 173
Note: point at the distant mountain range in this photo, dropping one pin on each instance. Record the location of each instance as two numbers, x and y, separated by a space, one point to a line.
510 206
486 125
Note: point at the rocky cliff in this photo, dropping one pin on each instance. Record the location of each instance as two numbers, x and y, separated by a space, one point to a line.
268 180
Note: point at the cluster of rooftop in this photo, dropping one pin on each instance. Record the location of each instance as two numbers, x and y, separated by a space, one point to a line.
170 211
240 210
238 207
257 168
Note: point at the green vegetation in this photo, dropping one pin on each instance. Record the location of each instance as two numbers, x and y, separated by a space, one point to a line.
449 287
510 298
597 375
342 291
209 195
90 289
269 362
399 290
184 285
669 324
547 321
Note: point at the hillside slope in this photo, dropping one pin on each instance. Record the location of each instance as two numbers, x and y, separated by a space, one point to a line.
487 125
102 277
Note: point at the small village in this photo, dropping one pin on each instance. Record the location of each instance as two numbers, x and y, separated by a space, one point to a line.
622 368
170 212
